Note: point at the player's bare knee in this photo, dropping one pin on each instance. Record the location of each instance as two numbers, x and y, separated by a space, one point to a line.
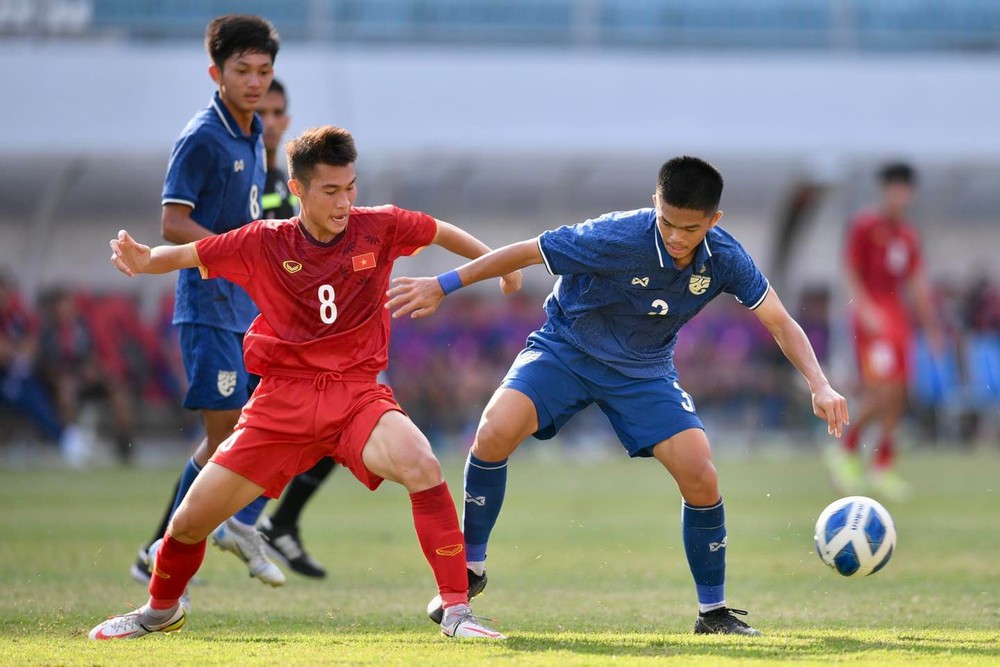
494 442
701 487
419 471
183 529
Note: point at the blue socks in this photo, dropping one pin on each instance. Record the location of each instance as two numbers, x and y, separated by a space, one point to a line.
704 532
251 512
485 484
191 471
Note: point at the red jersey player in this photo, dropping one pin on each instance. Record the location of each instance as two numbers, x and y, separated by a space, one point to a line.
320 340
883 260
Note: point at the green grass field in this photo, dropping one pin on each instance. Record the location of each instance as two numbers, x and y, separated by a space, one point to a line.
586 568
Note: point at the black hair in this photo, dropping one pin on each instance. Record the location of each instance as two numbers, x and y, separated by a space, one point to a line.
240 33
319 145
277 87
690 183
897 172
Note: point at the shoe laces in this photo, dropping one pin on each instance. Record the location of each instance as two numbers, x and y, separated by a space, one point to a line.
455 616
248 540
117 622
729 612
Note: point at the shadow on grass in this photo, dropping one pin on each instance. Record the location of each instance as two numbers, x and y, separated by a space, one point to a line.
797 646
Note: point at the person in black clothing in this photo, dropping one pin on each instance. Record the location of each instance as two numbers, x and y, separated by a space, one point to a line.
277 203
280 530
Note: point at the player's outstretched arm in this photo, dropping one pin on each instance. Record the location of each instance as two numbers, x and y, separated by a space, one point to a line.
461 242
827 404
419 297
131 257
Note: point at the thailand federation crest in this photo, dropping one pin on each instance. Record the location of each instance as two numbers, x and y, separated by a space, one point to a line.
226 383
699 284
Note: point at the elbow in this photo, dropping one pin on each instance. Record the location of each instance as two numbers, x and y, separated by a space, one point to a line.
169 233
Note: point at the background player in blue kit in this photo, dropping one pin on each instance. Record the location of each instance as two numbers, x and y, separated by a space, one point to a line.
628 282
214 183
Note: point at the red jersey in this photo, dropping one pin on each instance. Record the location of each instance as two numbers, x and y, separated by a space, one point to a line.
321 304
885 254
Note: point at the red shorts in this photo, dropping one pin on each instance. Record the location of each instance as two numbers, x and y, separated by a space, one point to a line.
883 357
291 423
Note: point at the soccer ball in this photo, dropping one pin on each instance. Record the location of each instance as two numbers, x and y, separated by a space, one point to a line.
855 536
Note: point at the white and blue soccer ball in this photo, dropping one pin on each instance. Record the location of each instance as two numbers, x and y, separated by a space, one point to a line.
855 536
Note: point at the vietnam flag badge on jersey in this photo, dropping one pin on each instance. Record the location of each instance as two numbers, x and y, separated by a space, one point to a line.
363 262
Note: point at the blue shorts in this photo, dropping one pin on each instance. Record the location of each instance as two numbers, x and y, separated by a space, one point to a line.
213 360
561 380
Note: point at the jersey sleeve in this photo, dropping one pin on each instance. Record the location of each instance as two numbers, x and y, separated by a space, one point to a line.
191 165
745 281
232 255
584 248
414 230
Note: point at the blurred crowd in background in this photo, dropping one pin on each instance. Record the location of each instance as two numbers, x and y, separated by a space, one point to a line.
98 377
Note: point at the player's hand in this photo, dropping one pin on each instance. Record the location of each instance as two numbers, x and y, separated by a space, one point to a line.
128 256
511 282
416 297
831 407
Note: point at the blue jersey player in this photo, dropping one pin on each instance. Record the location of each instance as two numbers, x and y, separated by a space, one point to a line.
214 183
628 282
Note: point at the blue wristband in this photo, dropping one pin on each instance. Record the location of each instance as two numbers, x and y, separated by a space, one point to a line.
449 282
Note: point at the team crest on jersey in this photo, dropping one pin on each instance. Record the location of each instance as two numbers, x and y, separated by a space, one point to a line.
526 357
698 284
226 383
291 266
363 262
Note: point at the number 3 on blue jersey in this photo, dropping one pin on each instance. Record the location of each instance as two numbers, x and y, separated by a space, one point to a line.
686 401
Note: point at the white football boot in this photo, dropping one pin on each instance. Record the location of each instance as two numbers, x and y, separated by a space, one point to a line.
248 545
459 622
137 624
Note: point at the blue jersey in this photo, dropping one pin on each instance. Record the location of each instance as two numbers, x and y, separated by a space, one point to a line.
619 297
220 173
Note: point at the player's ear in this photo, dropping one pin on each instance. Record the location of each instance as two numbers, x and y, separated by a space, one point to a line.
715 219
296 187
215 73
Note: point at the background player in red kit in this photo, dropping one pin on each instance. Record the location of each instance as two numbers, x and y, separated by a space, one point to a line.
320 340
884 260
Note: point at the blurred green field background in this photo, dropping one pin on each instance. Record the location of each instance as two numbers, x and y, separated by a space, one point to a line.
586 567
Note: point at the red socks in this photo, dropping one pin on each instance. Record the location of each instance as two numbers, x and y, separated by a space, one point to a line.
885 454
851 440
436 522
176 563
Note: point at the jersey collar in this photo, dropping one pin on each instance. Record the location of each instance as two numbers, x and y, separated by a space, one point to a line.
229 122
